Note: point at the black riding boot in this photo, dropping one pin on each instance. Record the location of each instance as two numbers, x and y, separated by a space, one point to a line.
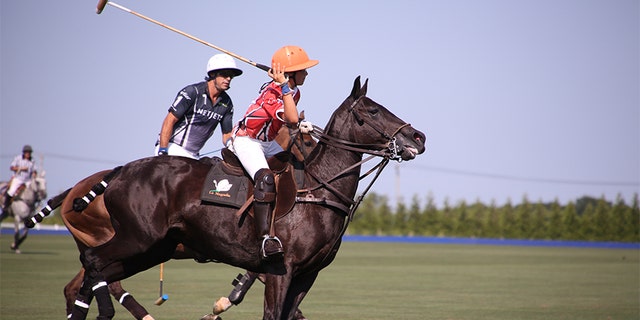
4 207
7 201
264 196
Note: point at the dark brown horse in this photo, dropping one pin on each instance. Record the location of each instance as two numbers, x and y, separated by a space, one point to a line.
93 227
154 205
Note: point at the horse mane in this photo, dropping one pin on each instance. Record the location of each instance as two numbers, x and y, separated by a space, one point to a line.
357 91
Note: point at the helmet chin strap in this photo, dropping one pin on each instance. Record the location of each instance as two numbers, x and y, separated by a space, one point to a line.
293 76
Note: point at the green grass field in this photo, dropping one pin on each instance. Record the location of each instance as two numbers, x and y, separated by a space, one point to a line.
366 281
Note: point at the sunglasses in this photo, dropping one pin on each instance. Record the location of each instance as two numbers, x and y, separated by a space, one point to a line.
226 74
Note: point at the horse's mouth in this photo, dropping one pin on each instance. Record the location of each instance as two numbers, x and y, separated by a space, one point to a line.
413 144
409 153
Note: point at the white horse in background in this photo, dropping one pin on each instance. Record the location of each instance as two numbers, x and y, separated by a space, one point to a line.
23 206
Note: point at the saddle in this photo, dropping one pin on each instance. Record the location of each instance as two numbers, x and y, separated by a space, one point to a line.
4 187
227 183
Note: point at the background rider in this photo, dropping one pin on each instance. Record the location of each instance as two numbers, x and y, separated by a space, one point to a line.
23 167
198 109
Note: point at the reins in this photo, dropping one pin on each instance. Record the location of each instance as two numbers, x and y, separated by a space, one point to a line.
388 151
392 148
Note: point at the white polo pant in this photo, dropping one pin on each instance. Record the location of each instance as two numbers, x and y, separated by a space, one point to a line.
177 150
253 153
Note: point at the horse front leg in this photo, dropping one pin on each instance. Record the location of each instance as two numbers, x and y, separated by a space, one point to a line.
241 285
71 291
275 295
93 285
19 235
115 289
298 289
79 309
129 302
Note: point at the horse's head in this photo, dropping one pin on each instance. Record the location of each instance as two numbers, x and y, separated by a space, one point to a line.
39 187
368 124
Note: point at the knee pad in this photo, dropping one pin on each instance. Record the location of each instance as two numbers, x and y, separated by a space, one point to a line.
265 187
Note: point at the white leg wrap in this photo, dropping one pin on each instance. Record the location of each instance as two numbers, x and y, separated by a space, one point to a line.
99 285
81 304
123 296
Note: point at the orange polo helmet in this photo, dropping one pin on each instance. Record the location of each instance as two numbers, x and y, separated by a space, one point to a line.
293 58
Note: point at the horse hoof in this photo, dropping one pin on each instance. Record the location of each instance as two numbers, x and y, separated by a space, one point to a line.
223 304
211 316
15 249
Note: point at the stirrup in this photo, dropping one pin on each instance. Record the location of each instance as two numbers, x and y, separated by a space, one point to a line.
264 241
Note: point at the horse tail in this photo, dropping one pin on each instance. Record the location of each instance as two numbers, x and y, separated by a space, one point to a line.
79 204
52 204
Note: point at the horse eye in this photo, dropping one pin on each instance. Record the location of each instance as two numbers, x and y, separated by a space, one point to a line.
373 111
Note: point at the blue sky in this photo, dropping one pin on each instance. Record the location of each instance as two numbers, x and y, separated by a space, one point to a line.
517 98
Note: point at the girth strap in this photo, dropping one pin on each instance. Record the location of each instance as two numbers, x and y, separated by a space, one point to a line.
321 201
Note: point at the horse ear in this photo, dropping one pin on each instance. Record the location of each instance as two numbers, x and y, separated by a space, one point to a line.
355 92
363 90
301 116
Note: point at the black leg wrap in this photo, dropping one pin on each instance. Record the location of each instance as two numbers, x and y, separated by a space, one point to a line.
130 303
81 305
105 305
79 311
242 284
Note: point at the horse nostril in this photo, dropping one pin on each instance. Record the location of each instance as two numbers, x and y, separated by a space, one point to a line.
419 136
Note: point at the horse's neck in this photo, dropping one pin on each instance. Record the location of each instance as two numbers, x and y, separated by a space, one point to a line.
327 162
30 192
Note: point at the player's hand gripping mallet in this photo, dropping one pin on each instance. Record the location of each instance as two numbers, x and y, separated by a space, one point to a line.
163 297
103 3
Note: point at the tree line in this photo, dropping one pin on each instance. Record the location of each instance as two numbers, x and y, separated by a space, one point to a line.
587 218
584 219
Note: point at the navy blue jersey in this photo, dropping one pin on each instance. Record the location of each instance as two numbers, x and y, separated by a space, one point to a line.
198 116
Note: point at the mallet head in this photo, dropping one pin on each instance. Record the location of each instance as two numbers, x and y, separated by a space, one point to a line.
101 5
162 299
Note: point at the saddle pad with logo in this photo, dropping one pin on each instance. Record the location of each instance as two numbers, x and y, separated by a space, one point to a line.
223 188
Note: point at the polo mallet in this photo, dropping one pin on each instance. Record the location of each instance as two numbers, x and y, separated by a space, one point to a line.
163 297
103 3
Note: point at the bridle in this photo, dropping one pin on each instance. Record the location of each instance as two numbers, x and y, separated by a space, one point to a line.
388 151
